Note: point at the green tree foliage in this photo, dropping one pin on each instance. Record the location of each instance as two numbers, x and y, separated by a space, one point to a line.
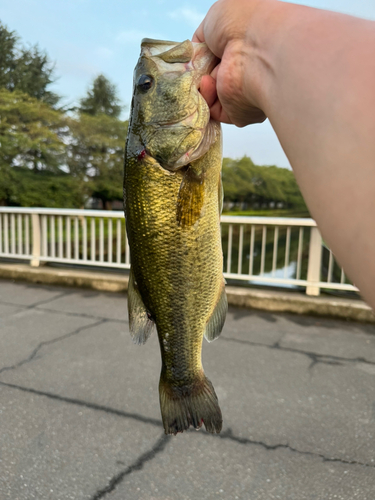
8 42
31 132
254 185
26 69
46 189
8 186
44 152
101 98
96 154
96 151
50 158
33 153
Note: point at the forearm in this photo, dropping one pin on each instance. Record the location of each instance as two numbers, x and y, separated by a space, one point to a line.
316 85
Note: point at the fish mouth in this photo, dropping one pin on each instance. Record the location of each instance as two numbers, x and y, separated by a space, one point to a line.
209 135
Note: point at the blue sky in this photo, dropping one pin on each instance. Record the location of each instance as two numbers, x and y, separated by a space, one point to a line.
88 37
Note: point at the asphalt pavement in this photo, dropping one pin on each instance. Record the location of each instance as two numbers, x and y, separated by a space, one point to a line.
80 418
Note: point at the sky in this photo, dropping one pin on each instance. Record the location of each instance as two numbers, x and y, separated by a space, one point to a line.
88 37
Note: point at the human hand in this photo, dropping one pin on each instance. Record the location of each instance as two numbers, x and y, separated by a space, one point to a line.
233 90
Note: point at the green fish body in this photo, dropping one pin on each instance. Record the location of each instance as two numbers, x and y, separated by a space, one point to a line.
172 198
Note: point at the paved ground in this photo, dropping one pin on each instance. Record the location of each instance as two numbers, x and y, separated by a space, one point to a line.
79 410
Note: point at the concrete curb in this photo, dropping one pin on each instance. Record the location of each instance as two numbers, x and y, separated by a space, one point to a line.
274 301
105 282
267 300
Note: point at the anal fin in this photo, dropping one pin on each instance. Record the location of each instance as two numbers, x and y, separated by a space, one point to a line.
216 322
140 321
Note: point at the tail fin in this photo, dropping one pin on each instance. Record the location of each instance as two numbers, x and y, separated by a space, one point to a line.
190 405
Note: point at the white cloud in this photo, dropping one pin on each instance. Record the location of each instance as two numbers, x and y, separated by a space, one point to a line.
190 16
135 36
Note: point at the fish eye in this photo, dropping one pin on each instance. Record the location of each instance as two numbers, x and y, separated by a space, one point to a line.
145 82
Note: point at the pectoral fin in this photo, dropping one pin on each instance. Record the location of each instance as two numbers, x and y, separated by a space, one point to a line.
140 321
190 199
216 322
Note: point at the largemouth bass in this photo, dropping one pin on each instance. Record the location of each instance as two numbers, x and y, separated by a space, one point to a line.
172 199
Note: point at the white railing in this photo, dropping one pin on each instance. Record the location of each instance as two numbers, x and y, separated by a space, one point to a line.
257 250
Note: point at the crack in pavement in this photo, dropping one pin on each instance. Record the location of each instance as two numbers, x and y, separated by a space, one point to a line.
227 434
36 304
46 301
82 315
86 404
65 313
137 465
48 342
327 359
162 442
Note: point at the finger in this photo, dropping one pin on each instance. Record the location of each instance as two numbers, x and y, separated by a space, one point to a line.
208 89
218 113
198 36
215 71
208 86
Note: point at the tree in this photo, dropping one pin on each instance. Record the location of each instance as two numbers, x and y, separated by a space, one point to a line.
31 132
46 157
101 98
33 154
25 69
245 182
96 154
7 184
45 189
237 179
8 42
96 151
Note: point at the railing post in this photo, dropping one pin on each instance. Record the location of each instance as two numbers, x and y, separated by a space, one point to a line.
315 261
35 226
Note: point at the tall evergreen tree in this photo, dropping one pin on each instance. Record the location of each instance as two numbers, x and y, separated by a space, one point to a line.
96 151
102 97
8 42
27 69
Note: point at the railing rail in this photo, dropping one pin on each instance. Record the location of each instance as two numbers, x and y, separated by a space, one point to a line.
257 250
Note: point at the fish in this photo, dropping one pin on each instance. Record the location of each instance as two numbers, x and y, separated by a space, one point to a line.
172 201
